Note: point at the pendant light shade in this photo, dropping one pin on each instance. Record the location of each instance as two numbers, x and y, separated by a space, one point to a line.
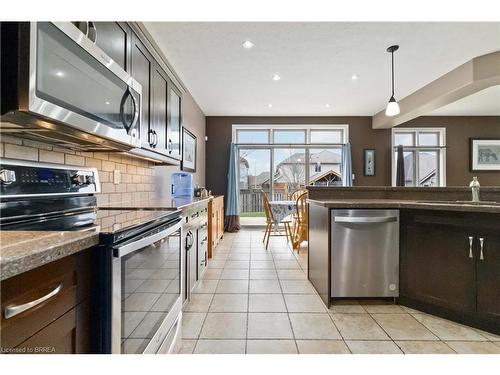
392 108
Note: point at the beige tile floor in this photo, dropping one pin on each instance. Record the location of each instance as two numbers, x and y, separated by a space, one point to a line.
257 301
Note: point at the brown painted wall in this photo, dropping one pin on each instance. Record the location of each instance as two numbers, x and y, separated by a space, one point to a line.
458 131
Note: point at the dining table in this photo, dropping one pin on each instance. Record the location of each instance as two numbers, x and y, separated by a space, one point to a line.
282 209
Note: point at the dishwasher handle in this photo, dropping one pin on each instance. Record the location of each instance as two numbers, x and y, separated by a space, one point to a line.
364 220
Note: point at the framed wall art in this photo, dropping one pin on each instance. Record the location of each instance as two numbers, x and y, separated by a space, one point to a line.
188 151
369 162
484 155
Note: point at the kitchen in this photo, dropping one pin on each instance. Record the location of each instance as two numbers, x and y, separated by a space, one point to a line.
152 203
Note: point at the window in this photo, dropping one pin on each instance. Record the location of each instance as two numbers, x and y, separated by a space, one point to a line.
279 159
326 136
424 154
253 136
290 136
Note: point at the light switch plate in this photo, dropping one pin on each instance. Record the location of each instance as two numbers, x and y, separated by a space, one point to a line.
117 177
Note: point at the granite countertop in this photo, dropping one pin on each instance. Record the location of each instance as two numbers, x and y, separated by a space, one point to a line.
156 204
416 204
21 251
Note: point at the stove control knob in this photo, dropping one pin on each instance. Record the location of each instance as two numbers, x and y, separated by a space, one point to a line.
78 179
7 176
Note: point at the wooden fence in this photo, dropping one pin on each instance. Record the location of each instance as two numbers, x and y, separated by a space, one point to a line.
250 200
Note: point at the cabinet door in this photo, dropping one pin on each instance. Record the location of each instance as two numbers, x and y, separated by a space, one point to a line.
488 275
174 123
435 264
159 107
114 38
142 69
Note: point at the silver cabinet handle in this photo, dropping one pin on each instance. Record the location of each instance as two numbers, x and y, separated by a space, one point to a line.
11 311
471 240
481 245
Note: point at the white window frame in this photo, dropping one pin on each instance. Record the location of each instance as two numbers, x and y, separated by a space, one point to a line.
307 127
441 148
307 146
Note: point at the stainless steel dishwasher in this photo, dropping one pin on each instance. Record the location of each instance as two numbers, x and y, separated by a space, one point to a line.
365 253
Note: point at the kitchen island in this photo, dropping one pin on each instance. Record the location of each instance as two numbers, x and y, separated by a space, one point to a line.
449 253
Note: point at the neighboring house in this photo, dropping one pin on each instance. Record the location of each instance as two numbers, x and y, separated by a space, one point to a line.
427 173
329 178
290 173
258 182
244 166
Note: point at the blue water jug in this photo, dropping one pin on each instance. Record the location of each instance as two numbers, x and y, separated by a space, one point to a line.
182 184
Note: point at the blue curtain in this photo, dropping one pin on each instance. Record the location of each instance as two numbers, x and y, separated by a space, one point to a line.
346 165
232 219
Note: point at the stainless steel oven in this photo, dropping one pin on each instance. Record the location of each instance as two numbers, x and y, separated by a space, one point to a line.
64 89
146 291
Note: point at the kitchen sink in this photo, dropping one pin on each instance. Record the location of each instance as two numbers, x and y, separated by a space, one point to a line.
480 203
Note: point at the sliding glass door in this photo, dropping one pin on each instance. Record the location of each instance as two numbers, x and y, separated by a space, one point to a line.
281 159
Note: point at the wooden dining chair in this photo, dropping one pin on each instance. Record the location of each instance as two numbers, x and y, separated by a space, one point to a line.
296 193
301 223
268 232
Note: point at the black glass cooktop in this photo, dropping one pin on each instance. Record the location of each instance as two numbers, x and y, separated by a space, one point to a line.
116 225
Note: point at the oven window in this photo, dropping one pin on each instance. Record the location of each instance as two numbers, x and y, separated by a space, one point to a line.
150 287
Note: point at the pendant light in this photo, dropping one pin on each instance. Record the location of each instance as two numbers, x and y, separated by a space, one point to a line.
392 108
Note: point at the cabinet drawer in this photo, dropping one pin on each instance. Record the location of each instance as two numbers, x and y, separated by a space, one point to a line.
58 337
33 300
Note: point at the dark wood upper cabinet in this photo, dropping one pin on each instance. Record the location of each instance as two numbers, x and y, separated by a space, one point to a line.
436 264
160 110
174 127
488 274
115 39
142 70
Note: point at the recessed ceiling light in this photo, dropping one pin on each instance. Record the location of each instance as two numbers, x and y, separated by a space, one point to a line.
270 105
59 73
276 77
108 103
327 105
247 44
354 77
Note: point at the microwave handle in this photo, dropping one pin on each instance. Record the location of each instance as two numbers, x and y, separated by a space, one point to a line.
128 127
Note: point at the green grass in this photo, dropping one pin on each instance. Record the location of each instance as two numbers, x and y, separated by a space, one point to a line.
252 214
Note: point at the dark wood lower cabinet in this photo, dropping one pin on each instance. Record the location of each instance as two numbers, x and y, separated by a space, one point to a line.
436 264
488 276
443 270
59 324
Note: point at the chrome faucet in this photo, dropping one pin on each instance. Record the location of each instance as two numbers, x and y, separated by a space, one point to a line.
474 185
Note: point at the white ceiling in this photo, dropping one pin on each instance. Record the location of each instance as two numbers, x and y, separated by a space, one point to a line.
315 62
483 103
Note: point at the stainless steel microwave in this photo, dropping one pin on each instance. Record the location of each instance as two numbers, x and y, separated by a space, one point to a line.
58 85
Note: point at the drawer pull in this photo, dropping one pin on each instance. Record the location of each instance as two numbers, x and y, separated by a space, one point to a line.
11 311
481 254
471 240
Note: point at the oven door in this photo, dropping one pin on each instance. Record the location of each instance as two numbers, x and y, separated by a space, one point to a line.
74 82
146 293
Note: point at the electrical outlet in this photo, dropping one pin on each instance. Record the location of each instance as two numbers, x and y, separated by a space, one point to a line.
117 177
